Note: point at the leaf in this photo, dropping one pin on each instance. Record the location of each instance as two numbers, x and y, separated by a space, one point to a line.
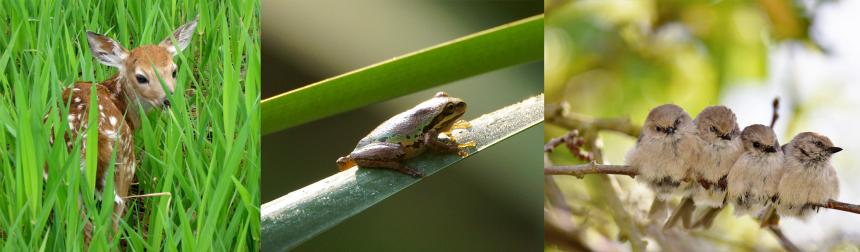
507 45
300 215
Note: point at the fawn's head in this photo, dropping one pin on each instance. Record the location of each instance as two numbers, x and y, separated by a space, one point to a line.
143 67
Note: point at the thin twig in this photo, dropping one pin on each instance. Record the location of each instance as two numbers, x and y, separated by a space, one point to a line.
574 143
556 113
832 204
775 112
591 168
783 240
561 233
576 121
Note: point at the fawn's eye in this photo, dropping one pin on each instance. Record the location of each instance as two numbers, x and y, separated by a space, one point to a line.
174 73
141 79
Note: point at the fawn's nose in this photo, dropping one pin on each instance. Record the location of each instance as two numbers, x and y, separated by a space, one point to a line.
166 103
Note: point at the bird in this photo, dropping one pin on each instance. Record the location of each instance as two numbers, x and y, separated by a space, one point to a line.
664 152
809 178
719 145
755 176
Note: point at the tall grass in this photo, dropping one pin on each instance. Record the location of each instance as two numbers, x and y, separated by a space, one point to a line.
202 155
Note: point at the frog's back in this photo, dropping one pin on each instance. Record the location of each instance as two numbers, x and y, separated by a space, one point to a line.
397 129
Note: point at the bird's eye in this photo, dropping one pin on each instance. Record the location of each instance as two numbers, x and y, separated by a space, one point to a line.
174 73
659 129
819 144
756 145
677 121
713 129
141 79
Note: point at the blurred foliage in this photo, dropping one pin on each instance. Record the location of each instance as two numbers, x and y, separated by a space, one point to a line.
618 58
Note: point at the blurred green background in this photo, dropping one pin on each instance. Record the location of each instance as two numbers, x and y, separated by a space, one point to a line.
488 202
622 58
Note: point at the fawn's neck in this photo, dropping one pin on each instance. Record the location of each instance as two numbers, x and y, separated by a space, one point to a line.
123 100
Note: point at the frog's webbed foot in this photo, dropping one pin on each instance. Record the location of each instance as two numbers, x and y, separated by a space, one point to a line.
461 124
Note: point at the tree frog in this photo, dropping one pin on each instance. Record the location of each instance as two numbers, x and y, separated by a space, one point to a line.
409 134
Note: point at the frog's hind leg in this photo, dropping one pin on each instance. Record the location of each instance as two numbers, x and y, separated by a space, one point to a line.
392 165
383 156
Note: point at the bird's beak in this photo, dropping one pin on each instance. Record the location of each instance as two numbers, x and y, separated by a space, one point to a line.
670 130
832 150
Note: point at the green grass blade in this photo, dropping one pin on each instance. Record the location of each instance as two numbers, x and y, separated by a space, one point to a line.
507 45
302 214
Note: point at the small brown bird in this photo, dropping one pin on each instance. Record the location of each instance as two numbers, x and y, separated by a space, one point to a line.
719 145
664 152
754 178
809 178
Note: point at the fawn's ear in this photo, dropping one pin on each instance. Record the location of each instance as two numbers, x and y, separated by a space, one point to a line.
182 36
107 50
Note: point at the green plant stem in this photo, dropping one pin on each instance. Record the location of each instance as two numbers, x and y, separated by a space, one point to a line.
300 215
507 45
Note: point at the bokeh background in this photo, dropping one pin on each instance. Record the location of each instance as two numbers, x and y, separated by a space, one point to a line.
621 58
488 202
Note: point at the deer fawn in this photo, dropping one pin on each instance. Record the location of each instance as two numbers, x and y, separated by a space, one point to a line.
137 82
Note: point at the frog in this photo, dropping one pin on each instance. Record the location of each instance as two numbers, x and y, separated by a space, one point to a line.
410 134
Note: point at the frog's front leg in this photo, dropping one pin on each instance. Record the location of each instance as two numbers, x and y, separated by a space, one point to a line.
431 139
383 155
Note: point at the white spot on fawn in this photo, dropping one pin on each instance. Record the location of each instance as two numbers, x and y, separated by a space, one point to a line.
111 134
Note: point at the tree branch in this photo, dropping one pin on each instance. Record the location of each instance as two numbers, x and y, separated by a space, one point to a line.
558 114
832 204
575 121
591 168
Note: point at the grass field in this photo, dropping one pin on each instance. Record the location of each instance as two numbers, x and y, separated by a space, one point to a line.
202 155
